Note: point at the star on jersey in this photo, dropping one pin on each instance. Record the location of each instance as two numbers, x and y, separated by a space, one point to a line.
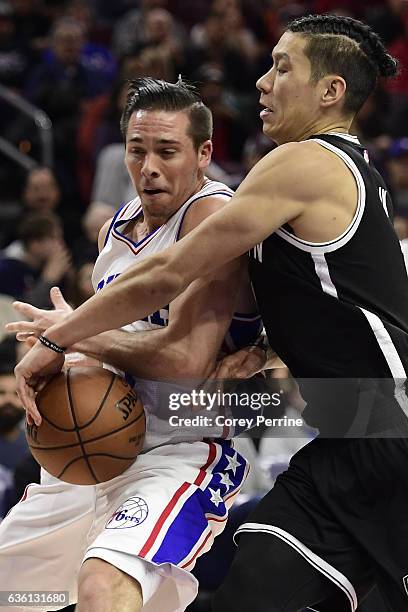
216 497
226 481
233 463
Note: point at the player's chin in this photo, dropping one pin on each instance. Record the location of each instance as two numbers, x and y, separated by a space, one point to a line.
153 200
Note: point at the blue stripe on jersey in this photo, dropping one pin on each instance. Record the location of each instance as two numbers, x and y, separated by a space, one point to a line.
191 522
112 222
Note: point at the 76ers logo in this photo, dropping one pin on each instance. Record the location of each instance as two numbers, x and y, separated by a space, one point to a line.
130 514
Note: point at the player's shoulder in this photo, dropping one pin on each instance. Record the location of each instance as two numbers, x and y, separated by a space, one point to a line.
295 155
209 199
297 168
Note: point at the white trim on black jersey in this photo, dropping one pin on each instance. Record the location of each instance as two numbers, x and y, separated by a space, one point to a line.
391 356
349 137
339 579
337 243
322 271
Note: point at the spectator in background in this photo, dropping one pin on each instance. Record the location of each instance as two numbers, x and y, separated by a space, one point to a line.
85 249
212 44
230 129
397 169
44 261
94 55
13 444
61 87
112 184
98 127
41 193
161 36
240 37
130 30
14 60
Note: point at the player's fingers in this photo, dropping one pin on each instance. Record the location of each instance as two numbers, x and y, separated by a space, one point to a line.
21 326
24 336
57 299
27 310
26 394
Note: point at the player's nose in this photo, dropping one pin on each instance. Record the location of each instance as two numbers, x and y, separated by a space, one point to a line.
265 83
150 167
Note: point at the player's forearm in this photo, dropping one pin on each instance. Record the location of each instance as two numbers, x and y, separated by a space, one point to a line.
143 289
147 354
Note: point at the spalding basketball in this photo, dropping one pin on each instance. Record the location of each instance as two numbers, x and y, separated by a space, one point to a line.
92 429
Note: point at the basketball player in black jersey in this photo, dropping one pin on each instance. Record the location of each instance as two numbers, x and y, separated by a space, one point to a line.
331 284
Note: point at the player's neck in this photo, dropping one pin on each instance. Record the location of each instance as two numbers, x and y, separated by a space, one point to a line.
147 223
338 126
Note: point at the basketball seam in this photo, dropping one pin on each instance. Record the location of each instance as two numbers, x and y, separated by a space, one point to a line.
59 428
108 390
41 448
93 455
71 406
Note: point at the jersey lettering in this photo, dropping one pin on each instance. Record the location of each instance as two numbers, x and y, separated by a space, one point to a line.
102 283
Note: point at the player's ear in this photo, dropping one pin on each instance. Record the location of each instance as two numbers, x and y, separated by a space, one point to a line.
204 154
333 89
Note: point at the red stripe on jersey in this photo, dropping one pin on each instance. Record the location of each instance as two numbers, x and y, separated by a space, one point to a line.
166 512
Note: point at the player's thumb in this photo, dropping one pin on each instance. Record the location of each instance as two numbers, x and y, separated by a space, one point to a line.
57 298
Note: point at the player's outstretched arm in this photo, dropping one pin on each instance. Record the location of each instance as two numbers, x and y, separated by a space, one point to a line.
276 191
273 193
197 320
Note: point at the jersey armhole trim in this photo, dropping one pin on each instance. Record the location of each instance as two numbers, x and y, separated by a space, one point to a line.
199 197
340 241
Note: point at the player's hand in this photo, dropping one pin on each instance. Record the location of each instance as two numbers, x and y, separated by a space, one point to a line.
243 364
32 373
78 360
39 320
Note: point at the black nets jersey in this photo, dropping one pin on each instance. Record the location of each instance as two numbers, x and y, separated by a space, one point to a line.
338 309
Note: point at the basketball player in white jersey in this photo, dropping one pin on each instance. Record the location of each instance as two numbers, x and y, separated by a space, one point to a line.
141 532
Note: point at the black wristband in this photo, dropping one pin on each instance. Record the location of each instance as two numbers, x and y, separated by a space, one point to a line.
51 345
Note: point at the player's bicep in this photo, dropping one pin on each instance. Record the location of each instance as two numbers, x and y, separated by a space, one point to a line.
264 202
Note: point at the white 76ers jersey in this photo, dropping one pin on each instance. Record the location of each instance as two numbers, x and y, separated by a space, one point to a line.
118 254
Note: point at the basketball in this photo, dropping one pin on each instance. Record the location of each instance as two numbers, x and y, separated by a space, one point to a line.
92 429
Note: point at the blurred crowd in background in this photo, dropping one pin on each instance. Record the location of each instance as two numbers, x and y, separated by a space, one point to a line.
71 60
63 71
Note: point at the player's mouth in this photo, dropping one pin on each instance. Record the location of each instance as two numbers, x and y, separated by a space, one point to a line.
152 192
265 112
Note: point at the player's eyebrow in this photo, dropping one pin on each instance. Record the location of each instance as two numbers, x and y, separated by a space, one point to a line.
166 141
277 56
